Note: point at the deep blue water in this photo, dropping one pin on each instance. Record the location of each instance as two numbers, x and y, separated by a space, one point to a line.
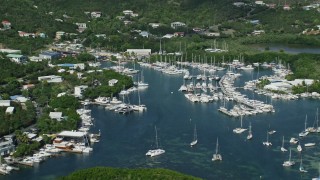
126 138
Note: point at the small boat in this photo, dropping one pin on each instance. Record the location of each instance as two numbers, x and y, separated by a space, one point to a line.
272 132
282 147
289 162
309 144
250 133
294 141
301 169
157 151
299 148
195 138
216 156
267 143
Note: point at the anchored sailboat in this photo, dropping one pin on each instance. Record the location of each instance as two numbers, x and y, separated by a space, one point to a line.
301 169
282 147
240 129
289 162
267 143
216 156
195 138
157 151
250 133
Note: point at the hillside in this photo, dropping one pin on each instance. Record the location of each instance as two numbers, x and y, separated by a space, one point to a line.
117 173
47 16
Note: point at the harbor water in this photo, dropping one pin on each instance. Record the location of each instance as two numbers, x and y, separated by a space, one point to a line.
126 138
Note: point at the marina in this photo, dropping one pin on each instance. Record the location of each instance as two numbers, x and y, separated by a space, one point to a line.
125 139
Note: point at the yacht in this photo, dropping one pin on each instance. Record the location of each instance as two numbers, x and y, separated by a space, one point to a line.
216 156
294 141
240 129
267 143
299 148
282 147
250 133
301 169
289 162
195 138
309 144
157 151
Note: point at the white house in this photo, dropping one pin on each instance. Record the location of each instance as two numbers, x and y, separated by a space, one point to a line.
259 3
95 14
18 58
78 90
112 82
168 36
9 110
79 65
50 79
56 115
154 25
176 25
127 12
59 34
4 103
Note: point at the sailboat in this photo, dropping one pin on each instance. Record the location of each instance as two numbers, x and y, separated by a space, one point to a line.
157 151
195 138
299 148
140 107
250 133
240 129
267 143
289 162
301 169
282 147
141 84
216 156
305 132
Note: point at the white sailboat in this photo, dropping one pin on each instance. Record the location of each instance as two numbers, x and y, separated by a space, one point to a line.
301 169
299 148
141 84
305 132
195 138
157 151
216 156
250 133
267 143
282 147
140 107
240 129
289 162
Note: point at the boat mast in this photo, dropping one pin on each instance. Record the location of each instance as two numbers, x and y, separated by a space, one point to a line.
217 146
155 128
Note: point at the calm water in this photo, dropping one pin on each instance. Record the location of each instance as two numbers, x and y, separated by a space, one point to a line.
126 138
288 48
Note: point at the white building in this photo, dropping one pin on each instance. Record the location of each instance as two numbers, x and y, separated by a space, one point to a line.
168 36
4 103
9 110
79 65
154 25
78 90
50 79
140 53
56 115
95 14
112 82
127 12
176 25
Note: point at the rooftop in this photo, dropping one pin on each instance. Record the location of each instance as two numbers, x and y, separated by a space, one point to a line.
72 134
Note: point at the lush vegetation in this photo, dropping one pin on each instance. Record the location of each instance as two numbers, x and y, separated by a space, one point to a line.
99 84
126 174
23 116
